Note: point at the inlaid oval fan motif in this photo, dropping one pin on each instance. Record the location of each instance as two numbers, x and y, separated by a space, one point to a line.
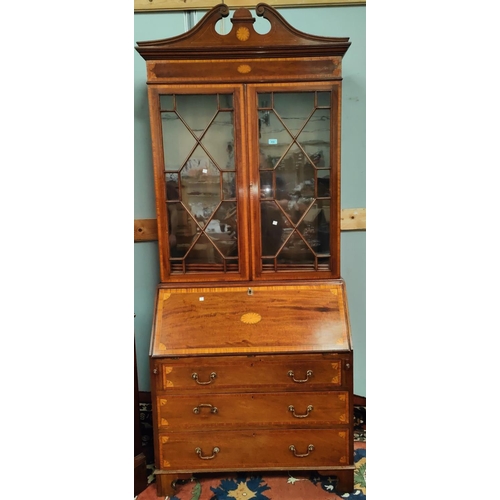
251 318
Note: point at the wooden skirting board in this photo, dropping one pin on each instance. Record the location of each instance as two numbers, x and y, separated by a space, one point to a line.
352 219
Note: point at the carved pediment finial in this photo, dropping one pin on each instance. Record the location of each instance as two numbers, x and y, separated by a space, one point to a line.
204 42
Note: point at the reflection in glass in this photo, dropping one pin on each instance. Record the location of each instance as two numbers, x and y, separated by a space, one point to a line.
266 185
203 252
315 139
323 183
172 186
166 102
294 109
296 251
294 174
222 230
315 227
182 230
178 142
265 100
228 185
200 180
197 111
220 133
323 98
272 226
226 101
275 138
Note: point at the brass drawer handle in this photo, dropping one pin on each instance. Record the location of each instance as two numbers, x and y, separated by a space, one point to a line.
214 452
196 409
308 410
212 376
308 374
309 449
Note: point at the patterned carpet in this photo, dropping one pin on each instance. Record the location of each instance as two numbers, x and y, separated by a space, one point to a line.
305 485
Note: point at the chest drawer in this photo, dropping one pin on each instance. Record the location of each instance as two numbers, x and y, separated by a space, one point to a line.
240 450
252 410
252 373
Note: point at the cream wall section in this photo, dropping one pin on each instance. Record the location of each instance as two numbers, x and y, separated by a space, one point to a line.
326 21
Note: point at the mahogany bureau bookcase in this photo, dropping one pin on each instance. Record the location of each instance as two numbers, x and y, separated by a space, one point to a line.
251 355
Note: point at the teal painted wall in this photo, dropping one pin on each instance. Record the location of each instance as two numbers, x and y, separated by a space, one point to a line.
326 21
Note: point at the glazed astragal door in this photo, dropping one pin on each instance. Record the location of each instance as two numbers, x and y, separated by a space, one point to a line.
295 164
222 218
199 167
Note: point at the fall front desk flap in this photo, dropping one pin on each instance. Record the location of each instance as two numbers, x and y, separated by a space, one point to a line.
255 319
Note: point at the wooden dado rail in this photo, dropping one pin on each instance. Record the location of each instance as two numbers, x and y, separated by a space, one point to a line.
352 219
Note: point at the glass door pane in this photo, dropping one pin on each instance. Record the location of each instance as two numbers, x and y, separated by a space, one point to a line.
295 179
200 181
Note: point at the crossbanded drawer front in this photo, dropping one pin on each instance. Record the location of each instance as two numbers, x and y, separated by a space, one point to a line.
240 450
250 374
212 411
